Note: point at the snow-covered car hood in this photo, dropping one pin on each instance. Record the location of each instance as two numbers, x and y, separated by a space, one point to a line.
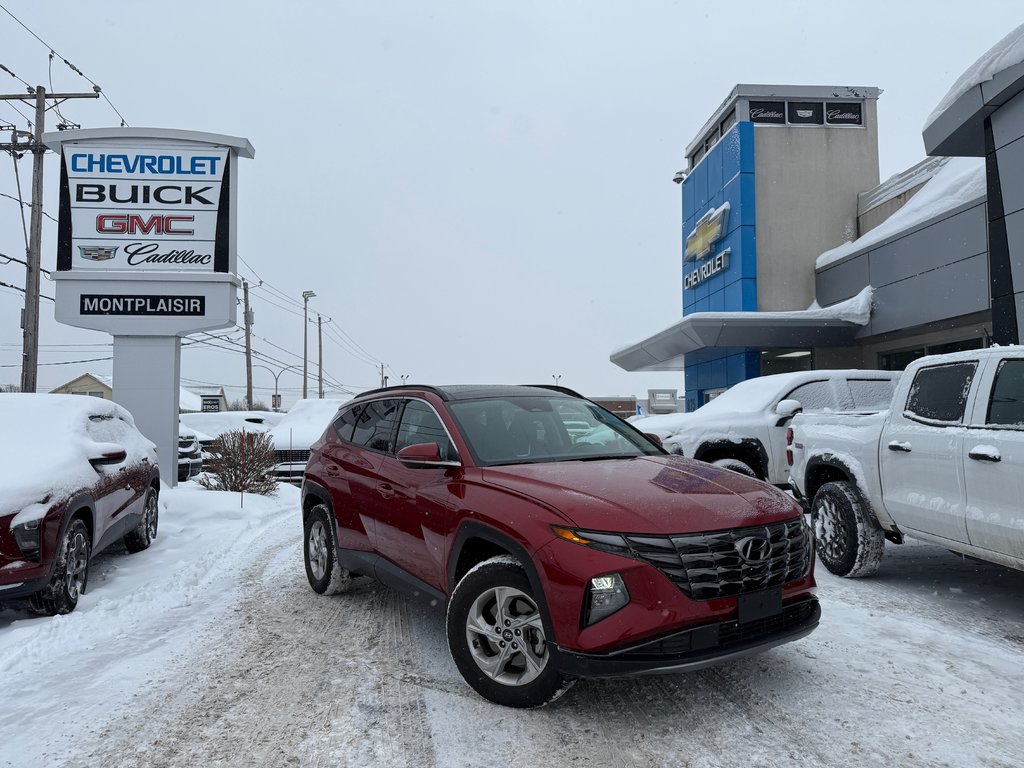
649 494
304 424
47 445
687 430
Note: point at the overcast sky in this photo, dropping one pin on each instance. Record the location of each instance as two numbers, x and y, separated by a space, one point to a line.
477 192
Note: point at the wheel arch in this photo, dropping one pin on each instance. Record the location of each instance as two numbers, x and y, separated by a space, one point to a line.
749 450
476 542
825 469
313 494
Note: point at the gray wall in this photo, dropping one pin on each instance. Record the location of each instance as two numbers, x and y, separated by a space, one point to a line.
1008 140
806 183
929 274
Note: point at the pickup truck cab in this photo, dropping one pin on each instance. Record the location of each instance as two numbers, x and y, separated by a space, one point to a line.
744 428
945 464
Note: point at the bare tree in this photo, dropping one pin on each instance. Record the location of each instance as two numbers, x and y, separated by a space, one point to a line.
240 461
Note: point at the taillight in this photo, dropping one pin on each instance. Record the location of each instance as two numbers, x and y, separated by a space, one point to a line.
789 446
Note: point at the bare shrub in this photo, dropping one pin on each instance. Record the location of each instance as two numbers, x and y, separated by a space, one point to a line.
240 461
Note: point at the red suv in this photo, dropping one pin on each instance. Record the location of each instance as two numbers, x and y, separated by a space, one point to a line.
563 542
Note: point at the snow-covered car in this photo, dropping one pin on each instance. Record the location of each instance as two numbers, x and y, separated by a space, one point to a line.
293 435
744 429
190 454
78 478
208 426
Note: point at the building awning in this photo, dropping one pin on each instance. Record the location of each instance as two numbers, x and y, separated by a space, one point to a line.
834 326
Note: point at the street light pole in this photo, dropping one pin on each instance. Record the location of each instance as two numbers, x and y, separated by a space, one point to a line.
306 296
276 377
556 378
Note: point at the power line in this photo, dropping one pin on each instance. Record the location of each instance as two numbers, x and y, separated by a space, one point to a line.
71 66
9 72
26 205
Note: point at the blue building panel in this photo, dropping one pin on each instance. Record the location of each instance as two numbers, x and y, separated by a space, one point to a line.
725 174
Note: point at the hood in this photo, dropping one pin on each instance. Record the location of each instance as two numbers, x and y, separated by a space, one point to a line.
651 494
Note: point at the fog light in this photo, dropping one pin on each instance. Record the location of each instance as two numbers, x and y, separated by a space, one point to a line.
27 537
605 595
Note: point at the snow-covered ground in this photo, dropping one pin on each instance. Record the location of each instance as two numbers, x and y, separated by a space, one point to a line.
209 648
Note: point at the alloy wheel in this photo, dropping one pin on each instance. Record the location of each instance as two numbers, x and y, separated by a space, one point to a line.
506 636
77 564
317 546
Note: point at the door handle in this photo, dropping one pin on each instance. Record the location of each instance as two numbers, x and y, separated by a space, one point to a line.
385 490
979 455
897 445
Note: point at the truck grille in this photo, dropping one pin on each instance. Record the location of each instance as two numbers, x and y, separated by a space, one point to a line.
292 457
710 565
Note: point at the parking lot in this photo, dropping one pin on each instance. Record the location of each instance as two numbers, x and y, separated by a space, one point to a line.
245 665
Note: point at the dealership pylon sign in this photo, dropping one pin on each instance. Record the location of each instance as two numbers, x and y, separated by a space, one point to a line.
146 251
146 237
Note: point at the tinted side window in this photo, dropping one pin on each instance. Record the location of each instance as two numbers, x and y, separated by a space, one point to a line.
346 422
421 425
375 425
1007 404
813 396
939 393
871 393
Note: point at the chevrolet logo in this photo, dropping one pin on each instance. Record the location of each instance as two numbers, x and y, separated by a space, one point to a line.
709 230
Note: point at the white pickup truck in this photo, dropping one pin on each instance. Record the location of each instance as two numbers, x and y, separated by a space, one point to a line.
744 428
945 464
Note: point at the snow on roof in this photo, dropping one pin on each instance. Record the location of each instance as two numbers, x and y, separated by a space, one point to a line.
1006 53
187 401
959 181
49 440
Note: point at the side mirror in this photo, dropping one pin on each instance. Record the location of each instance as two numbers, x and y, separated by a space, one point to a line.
108 458
786 410
653 438
422 455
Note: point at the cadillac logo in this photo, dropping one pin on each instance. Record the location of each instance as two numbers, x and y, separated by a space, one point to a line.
709 230
754 549
98 252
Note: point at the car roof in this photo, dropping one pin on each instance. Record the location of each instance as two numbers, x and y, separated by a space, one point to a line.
477 391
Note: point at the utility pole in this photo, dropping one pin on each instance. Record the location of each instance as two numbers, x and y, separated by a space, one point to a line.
248 344
30 321
320 352
306 296
383 378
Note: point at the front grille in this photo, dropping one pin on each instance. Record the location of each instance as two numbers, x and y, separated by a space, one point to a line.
292 457
726 635
709 565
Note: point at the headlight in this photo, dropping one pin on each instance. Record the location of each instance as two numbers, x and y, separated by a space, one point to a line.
606 542
605 595
26 535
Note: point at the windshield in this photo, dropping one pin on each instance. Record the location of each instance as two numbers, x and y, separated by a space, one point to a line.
526 430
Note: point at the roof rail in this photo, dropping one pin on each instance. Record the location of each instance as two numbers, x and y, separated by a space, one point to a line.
556 388
398 387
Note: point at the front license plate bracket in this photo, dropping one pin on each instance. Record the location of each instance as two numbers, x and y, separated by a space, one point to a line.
759 605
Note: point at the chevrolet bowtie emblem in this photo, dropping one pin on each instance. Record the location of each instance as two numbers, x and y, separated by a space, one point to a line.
709 230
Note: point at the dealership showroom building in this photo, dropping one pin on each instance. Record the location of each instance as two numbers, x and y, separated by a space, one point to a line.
795 257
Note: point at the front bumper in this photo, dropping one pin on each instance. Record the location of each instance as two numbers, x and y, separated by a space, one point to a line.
697 647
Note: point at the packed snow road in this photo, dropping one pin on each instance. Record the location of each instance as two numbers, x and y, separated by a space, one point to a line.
210 649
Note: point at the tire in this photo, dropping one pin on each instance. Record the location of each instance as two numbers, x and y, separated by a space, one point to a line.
491 612
143 534
850 541
320 551
70 573
736 466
